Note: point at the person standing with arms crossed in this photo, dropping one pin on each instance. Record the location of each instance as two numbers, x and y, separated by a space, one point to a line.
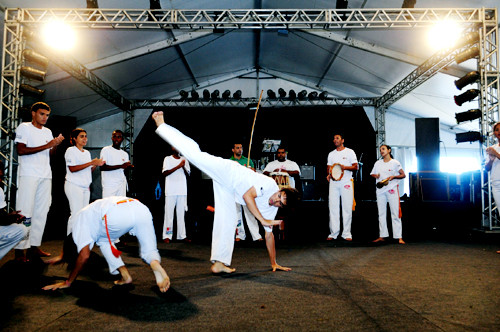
114 182
34 144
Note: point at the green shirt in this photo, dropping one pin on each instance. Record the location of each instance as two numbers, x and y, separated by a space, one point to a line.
243 161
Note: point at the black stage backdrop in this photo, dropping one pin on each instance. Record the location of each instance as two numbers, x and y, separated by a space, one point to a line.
307 133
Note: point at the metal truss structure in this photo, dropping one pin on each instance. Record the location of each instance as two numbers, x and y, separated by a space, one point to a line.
484 20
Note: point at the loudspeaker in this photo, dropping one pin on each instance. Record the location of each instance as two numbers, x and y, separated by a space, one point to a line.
427 144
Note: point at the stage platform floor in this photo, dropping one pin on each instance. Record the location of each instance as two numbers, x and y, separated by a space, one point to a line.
339 286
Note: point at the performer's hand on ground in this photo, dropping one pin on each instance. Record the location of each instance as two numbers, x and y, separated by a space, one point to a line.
266 222
59 285
279 267
158 117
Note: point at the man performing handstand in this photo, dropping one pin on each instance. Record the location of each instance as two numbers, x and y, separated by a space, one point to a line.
104 221
232 182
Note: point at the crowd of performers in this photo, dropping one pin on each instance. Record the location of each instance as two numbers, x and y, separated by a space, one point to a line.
237 190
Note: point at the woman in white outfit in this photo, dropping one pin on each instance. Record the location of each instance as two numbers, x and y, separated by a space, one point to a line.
388 172
493 165
79 168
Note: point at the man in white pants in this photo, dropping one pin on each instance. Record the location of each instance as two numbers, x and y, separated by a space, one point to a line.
341 190
106 220
114 182
175 169
34 144
252 224
231 182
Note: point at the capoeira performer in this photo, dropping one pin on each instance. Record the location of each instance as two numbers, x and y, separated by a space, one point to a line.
232 182
114 182
388 172
493 165
12 230
106 220
79 168
341 190
34 144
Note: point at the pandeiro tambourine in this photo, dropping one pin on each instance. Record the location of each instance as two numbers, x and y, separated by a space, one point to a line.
336 172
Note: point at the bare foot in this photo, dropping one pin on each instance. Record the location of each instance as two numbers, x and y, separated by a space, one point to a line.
401 241
348 239
123 281
162 279
126 277
55 260
380 239
39 252
498 251
218 267
237 239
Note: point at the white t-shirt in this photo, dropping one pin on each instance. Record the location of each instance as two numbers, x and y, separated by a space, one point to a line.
175 183
346 157
495 168
36 164
286 165
75 157
113 157
2 199
386 169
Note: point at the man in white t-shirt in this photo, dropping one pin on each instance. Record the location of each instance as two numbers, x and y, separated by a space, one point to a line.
282 164
341 190
232 182
114 182
34 144
175 169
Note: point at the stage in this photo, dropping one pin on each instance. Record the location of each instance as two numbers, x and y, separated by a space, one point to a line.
341 286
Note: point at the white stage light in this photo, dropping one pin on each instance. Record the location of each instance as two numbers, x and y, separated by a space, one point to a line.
444 35
59 36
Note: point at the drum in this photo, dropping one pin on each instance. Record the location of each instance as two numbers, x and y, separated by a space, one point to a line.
282 179
336 172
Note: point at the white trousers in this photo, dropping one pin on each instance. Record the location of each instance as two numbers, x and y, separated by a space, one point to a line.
391 197
34 197
179 204
118 190
222 171
78 198
252 223
133 217
495 190
340 191
10 236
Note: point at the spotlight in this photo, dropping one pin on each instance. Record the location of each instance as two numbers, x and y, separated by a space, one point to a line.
32 73
237 94
312 95
466 96
470 38
468 116
292 95
154 4
409 3
470 78
323 95
467 54
206 94
92 4
195 95
271 94
470 136
184 94
282 93
302 95
215 94
226 94
36 58
31 90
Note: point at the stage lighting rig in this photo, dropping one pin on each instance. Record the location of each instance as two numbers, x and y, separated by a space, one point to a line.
470 136
215 94
468 115
271 94
195 95
409 3
471 53
206 94
154 4
312 95
292 94
470 78
466 96
302 95
184 94
30 90
282 93
226 94
237 94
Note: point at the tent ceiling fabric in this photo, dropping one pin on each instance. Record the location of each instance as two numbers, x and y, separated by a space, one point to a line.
341 70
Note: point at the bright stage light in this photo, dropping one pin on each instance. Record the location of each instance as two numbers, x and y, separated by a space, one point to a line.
59 36
444 34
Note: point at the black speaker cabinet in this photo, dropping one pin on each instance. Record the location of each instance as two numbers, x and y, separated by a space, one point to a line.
427 144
